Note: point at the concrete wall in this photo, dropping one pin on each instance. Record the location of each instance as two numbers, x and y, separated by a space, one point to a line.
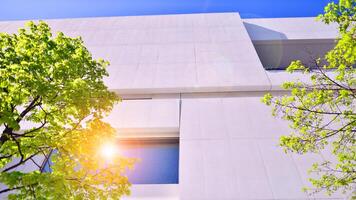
229 150
198 77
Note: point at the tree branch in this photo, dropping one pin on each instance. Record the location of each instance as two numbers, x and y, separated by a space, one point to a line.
18 148
31 106
7 156
35 129
34 162
331 80
20 163
312 111
11 189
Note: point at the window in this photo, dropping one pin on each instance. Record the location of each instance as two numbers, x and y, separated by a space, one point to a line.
158 160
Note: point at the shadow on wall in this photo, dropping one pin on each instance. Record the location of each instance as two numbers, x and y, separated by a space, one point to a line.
276 51
261 33
268 45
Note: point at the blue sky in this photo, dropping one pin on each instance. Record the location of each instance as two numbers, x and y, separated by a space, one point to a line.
46 9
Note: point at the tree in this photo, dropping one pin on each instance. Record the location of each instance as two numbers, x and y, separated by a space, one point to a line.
322 113
52 84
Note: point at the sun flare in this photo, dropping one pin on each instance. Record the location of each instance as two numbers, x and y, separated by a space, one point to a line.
109 150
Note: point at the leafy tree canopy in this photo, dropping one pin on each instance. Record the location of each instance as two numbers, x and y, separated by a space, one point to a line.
52 97
322 112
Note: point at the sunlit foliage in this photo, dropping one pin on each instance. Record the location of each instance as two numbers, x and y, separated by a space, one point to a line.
322 111
52 98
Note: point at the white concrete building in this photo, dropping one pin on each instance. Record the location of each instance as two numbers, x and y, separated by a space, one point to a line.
198 79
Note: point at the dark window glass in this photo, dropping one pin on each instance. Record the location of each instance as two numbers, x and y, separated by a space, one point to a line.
157 160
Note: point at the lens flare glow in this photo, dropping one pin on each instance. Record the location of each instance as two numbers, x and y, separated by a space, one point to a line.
109 150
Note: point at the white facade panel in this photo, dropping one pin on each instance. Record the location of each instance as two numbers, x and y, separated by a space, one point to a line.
279 77
228 138
252 179
186 53
229 150
146 118
192 178
153 192
233 117
285 181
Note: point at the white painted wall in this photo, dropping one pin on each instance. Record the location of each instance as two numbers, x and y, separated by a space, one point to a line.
146 118
154 192
170 53
229 150
228 139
